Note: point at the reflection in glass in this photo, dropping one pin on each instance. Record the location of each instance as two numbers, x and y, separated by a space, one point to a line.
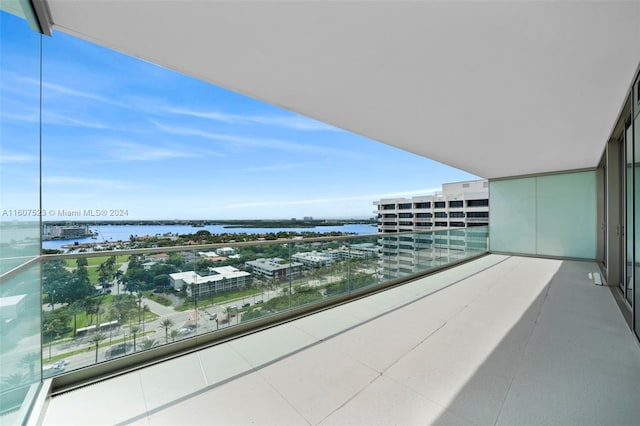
20 342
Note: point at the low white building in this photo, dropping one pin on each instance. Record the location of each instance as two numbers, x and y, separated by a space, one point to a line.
226 251
224 278
275 268
312 259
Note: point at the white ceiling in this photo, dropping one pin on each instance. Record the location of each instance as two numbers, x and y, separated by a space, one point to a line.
493 88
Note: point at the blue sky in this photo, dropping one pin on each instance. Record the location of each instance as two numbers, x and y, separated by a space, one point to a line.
121 133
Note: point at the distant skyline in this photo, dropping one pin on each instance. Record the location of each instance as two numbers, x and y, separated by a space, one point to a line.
121 133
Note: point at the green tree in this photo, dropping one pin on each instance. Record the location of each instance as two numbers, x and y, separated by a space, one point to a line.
52 327
176 260
174 334
96 339
166 323
118 277
148 344
74 309
121 306
55 281
145 311
134 332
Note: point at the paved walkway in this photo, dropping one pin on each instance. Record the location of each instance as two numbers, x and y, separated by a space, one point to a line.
158 308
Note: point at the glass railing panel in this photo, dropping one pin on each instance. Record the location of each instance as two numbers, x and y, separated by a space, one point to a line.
364 262
320 270
424 246
20 351
101 306
268 288
389 256
91 309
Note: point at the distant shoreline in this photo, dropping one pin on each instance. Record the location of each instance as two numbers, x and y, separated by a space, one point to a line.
254 223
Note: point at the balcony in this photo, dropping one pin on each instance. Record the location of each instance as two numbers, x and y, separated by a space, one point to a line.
109 311
544 357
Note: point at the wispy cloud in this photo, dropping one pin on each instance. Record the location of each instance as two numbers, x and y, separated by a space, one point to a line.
139 104
28 117
266 143
63 120
294 122
68 91
130 151
7 157
372 197
105 184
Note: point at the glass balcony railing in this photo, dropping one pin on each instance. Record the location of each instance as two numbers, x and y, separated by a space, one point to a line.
100 306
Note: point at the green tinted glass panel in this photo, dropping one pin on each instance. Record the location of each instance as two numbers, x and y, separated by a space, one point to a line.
553 215
513 215
566 206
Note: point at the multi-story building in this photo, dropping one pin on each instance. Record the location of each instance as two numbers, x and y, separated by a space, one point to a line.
65 232
275 268
458 205
224 278
312 259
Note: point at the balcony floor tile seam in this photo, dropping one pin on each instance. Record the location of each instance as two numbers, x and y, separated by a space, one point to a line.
383 373
284 398
410 389
258 368
520 354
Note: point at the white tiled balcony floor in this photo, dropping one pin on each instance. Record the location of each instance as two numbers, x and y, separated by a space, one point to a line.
514 340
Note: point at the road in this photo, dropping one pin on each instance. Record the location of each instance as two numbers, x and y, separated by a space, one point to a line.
181 321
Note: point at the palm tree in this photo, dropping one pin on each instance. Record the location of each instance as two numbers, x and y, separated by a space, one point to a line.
97 309
145 310
118 279
174 334
53 327
134 331
166 323
96 339
74 309
29 360
148 344
139 300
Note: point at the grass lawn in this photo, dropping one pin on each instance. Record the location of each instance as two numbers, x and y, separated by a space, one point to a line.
94 263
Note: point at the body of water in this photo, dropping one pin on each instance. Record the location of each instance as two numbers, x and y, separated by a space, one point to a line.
123 232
